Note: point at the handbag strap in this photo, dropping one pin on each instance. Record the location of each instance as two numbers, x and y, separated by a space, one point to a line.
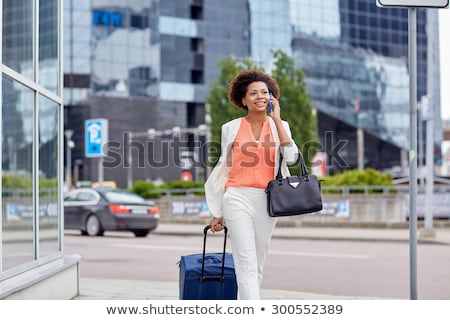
303 169
279 176
301 160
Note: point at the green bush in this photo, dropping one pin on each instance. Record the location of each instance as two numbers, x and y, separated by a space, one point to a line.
367 177
179 184
146 189
48 183
354 178
14 182
184 184
11 184
150 190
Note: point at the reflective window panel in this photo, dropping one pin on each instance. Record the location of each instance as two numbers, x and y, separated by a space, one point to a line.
48 177
48 45
17 193
17 44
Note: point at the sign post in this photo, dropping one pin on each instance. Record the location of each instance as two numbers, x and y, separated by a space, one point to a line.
96 135
413 3
412 6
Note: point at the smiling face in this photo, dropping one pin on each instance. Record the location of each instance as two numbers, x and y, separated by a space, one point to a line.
256 97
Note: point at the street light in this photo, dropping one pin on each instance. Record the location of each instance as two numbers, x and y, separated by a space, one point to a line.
202 131
151 133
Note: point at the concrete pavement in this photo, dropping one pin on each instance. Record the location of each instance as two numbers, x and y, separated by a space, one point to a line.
113 289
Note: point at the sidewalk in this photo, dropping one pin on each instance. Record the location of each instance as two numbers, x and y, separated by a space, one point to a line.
436 235
112 289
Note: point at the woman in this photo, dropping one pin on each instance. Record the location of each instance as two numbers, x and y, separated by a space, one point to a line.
235 189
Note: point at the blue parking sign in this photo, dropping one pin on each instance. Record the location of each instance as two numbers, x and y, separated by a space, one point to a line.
96 135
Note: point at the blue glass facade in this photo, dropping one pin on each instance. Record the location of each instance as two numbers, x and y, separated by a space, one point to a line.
355 57
148 64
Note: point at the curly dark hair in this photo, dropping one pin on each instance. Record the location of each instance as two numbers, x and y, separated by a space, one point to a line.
239 85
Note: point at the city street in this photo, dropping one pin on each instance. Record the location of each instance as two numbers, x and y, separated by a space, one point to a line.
341 268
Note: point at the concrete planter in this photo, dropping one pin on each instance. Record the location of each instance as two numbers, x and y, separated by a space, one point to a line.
362 208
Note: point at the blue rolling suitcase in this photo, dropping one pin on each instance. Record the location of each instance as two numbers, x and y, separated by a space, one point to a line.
208 276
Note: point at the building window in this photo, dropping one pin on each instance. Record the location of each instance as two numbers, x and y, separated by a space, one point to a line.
17 173
48 184
196 12
138 21
197 45
197 76
17 37
107 18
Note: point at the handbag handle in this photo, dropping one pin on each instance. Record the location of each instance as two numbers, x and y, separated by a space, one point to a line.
302 164
221 276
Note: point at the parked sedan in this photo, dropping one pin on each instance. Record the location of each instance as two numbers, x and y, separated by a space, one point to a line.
94 211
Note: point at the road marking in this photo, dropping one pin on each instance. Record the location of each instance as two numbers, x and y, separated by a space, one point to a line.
219 249
161 247
320 255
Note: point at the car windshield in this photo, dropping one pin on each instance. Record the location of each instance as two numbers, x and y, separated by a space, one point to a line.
123 197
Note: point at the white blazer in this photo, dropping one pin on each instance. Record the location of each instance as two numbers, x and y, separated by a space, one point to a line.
215 184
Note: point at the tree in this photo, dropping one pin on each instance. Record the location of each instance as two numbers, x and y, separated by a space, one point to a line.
294 101
295 104
218 106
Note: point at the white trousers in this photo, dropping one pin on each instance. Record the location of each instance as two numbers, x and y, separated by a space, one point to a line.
250 229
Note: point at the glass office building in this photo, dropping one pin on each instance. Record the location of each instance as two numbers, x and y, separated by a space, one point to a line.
31 236
355 57
147 65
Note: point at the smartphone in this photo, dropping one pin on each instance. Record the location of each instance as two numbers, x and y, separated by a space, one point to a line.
270 101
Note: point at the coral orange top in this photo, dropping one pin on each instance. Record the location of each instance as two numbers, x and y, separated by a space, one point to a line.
252 161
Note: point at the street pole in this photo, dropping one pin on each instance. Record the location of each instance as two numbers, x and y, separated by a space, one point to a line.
100 171
69 165
421 156
360 142
201 134
412 55
69 145
430 172
130 160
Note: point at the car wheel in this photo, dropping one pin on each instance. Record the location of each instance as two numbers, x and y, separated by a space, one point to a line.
93 226
141 233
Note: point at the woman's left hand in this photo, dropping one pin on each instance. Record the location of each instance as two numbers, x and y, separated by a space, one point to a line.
216 224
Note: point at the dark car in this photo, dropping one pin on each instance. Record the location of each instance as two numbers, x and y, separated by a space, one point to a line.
94 211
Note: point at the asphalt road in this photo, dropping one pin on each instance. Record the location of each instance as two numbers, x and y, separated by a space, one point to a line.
341 268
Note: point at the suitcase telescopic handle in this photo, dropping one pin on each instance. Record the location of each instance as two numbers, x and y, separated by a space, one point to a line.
221 276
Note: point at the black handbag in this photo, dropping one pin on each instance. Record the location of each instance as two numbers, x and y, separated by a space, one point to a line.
294 195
